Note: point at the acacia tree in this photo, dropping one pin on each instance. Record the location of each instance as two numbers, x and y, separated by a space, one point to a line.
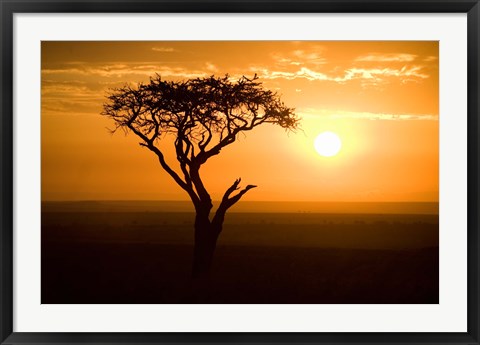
203 115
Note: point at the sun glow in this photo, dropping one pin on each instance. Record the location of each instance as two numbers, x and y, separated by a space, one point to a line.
327 144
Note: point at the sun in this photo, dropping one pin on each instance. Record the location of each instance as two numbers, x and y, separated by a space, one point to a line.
327 144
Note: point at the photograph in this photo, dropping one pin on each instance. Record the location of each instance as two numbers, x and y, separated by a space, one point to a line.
239 172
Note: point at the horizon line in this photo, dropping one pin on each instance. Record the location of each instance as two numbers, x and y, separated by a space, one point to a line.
241 201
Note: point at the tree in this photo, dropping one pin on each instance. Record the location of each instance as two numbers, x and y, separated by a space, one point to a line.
203 115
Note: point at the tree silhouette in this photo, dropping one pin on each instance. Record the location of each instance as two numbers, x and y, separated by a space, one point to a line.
203 115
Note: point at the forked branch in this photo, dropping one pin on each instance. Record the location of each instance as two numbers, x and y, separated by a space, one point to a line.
228 200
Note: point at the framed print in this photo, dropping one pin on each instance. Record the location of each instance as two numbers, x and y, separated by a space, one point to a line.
249 172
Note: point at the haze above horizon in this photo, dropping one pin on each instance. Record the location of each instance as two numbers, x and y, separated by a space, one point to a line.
243 206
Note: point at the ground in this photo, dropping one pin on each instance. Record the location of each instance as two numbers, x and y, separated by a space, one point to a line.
145 257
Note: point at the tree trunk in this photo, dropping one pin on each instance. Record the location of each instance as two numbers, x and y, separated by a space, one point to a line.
206 236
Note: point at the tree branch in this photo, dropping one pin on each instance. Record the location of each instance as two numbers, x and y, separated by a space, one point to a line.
228 201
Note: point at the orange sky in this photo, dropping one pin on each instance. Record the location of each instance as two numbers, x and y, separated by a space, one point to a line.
381 98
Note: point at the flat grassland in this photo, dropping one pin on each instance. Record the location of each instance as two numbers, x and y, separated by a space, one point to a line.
115 255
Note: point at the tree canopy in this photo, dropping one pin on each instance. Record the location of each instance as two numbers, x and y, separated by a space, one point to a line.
203 114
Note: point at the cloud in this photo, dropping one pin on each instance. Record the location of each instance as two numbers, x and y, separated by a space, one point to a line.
211 67
60 98
313 57
281 61
163 49
372 75
62 90
383 116
303 72
430 58
300 57
377 57
125 70
316 113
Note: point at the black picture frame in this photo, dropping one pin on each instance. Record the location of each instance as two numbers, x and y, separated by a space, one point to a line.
10 7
